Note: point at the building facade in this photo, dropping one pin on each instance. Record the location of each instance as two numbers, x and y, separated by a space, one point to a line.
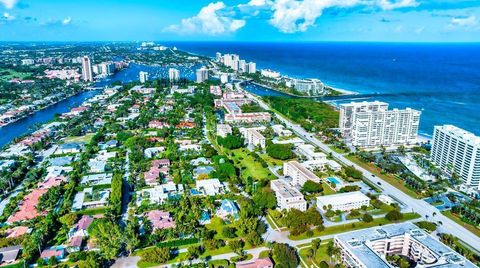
371 124
288 197
455 150
143 77
173 74
201 75
298 173
369 247
343 201
87 69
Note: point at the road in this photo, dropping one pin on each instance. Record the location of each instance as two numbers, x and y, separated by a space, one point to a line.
417 205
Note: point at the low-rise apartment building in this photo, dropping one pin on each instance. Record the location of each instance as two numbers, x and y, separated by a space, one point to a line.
288 197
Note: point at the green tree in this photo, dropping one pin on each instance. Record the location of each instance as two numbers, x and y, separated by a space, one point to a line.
367 217
236 245
280 151
394 215
156 255
285 256
312 187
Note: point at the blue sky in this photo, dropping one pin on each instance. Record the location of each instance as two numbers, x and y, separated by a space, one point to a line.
247 20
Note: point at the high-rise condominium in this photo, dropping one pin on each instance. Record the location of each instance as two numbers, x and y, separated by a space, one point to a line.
173 74
373 125
87 69
455 150
201 75
143 77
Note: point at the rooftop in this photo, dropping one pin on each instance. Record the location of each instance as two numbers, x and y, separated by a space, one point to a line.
341 198
282 188
358 243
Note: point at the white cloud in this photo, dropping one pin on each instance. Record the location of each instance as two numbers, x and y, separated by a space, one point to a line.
9 4
420 30
8 16
389 5
291 16
463 21
67 21
209 20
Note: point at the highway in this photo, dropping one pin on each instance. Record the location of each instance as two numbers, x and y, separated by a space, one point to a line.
416 205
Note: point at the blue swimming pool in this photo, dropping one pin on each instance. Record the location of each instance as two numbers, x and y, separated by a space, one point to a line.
333 180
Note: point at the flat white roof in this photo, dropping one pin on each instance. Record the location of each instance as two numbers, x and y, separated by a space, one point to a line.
343 198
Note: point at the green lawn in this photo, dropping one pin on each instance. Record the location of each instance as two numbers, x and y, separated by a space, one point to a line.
458 220
397 183
12 74
252 167
354 226
86 138
272 161
320 256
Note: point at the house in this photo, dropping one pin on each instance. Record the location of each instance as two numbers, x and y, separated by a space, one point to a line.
185 125
104 155
159 194
153 151
61 161
9 255
158 124
6 164
97 166
96 198
81 227
27 210
17 231
108 144
70 147
160 219
202 170
228 208
57 252
97 179
210 187
75 244
200 161
159 166
258 263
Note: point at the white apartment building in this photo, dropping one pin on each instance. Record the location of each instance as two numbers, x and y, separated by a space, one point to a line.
269 73
87 69
298 173
371 124
201 75
288 197
386 128
310 86
367 248
309 152
251 68
173 74
242 66
143 77
255 138
455 150
343 201
348 110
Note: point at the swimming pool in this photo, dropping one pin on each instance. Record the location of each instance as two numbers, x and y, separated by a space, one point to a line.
333 180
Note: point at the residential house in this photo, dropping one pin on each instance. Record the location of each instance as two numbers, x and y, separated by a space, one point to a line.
227 209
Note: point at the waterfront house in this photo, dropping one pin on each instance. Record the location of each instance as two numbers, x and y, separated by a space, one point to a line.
258 263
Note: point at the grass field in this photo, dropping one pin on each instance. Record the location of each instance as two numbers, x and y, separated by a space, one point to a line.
320 256
251 167
467 226
354 226
86 139
9 74
397 183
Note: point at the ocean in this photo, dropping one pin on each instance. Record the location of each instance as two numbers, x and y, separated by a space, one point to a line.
441 80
